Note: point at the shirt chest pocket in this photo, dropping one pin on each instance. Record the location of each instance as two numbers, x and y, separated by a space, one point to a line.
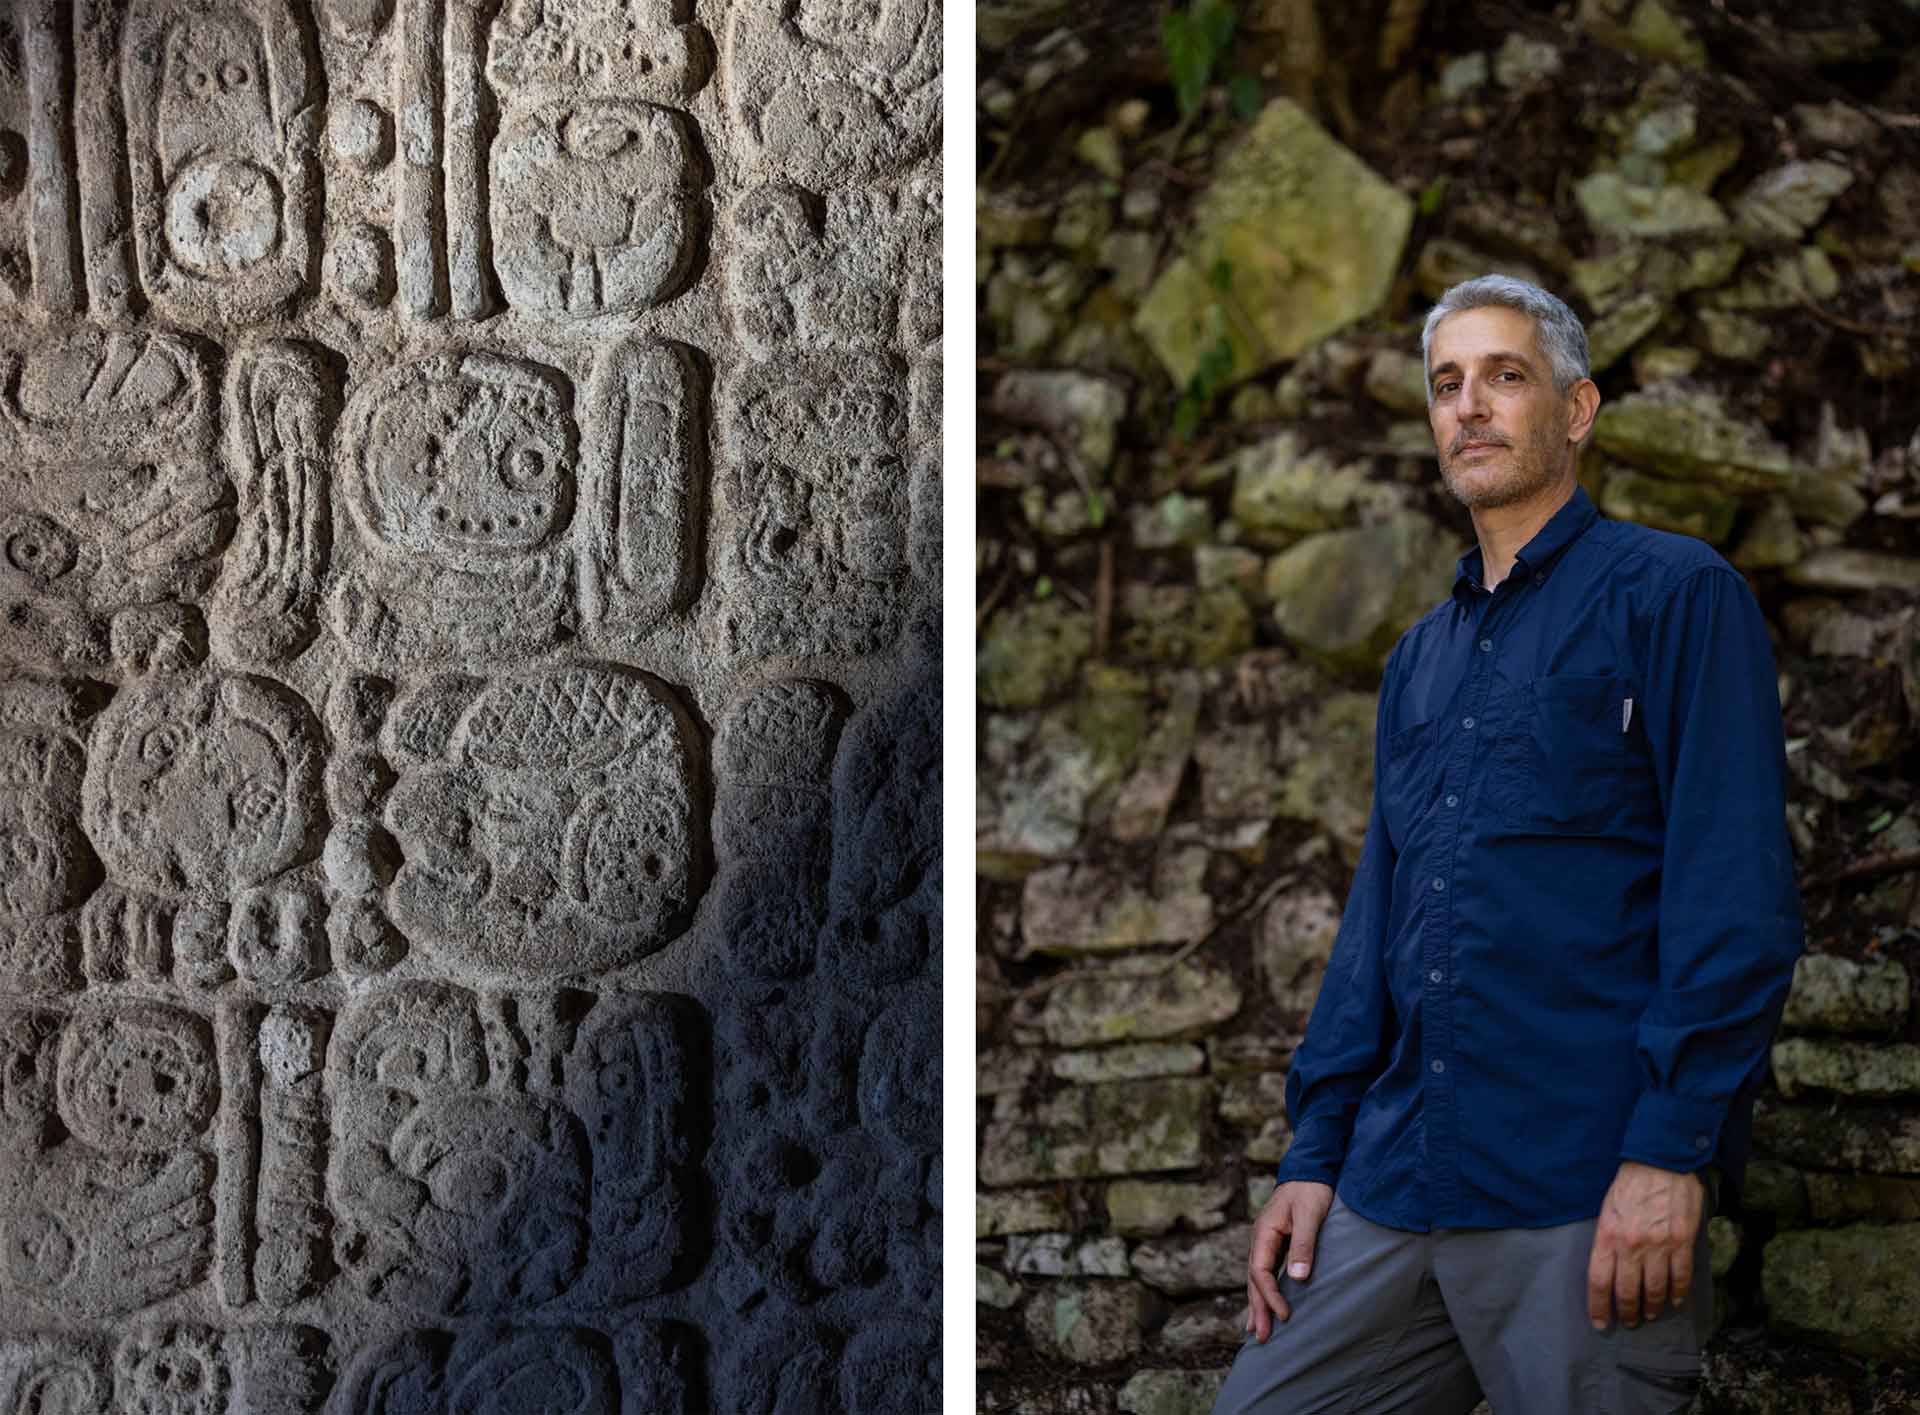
1573 760
1406 779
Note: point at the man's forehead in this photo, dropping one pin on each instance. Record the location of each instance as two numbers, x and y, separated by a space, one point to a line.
1477 333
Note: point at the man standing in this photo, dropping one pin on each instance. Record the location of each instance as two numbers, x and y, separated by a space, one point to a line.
1568 941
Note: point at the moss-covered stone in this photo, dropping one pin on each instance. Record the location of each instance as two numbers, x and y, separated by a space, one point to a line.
1344 597
1834 994
1185 1002
1860 1070
1773 539
1132 1061
1647 28
1849 1198
1782 282
1283 490
1691 437
1184 627
1611 336
1784 204
1079 909
1088 1323
1206 1262
1170 1392
1032 654
1019 1211
1128 1127
1175 521
1730 335
1141 1208
1617 207
1686 507
1295 238
1328 781
1874 1139
1856 1289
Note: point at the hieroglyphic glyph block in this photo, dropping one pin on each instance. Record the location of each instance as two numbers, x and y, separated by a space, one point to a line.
815 501
223 117
550 822
827 91
480 515
466 1181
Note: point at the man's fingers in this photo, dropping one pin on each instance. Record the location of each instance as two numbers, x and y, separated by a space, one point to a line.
1306 1236
1600 1285
1682 1275
1653 1280
1269 1299
1627 1277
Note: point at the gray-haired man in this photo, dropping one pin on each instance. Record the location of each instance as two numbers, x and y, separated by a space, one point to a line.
1566 946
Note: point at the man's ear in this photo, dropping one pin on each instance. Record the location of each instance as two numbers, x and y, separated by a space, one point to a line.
1583 403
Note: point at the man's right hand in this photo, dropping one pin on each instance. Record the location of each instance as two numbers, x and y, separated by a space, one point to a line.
1295 1212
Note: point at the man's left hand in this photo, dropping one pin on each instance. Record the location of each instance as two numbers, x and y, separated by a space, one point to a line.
1643 1249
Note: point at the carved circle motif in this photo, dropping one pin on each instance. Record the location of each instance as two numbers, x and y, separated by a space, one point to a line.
38 547
172 1371
136 1078
223 215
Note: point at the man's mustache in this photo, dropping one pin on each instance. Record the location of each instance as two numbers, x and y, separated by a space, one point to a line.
1460 444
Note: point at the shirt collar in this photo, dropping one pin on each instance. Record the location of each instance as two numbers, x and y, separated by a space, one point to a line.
1560 531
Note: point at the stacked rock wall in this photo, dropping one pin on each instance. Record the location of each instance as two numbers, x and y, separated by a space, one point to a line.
1201 531
469 895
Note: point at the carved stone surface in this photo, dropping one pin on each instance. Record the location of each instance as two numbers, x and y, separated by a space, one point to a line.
468 557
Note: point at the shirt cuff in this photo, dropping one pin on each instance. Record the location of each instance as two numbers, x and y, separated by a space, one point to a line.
1673 1133
1315 1155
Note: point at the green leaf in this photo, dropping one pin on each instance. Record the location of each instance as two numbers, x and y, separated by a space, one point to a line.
1220 275
1042 587
1244 91
1096 510
1435 193
1880 822
1195 39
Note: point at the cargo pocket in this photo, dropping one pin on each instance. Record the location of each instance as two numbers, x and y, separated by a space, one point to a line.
1566 767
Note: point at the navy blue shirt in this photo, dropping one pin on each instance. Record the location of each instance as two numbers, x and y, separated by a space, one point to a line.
1574 918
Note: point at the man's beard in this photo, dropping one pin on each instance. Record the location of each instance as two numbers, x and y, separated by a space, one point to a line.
1528 472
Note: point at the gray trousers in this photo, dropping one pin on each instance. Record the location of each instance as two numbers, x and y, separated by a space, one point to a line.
1431 1322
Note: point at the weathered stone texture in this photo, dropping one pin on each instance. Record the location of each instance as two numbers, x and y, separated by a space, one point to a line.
469 863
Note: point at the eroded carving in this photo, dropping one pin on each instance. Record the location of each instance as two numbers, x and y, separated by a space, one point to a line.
548 822
594 206
557 1370
460 474
294 1225
281 401
643 49
205 782
223 110
828 91
815 556
463 1185
54 1375
46 866
853 270
114 1213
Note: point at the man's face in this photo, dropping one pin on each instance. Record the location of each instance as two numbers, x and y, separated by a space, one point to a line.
1503 432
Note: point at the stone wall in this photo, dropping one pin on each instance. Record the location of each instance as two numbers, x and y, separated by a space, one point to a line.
1185 617
469 894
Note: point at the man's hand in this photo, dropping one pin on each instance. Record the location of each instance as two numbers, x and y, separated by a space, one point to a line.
1295 1211
1643 1249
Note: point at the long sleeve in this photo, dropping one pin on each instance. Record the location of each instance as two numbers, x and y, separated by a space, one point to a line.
1347 1034
1729 926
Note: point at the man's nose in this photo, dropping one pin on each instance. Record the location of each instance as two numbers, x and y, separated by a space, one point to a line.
1472 403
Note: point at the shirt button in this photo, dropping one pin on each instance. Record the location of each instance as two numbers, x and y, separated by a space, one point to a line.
1486 646
1435 976
1439 884
1700 1142
1453 800
1467 723
1541 578
1439 1066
